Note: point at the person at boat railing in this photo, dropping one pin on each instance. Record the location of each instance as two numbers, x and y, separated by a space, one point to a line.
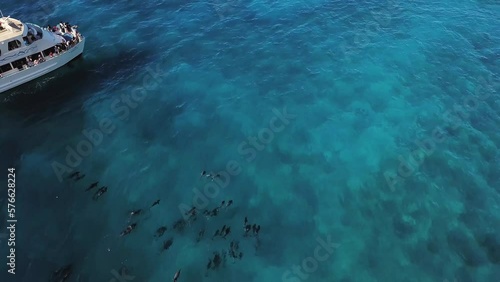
65 27
37 61
30 62
76 34
62 27
61 47
68 26
56 30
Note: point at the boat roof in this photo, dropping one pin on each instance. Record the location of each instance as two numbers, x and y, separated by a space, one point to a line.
10 28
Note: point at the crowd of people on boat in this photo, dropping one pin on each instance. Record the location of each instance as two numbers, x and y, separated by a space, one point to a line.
68 32
36 59
35 62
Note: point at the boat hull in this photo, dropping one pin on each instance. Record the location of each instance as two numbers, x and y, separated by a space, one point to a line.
51 64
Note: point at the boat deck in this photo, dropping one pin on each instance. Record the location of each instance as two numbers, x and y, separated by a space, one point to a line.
10 28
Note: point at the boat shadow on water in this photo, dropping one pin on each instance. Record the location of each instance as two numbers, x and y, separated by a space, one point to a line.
65 89
73 83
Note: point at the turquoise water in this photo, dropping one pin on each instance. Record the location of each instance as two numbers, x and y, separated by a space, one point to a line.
372 125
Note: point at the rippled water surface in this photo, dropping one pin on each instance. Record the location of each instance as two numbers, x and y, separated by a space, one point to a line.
370 125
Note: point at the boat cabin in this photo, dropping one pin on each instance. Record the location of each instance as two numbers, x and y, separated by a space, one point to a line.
12 32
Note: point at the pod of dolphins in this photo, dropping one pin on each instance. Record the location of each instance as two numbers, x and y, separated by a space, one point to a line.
219 257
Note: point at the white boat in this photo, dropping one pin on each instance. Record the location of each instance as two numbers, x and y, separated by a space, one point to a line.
28 51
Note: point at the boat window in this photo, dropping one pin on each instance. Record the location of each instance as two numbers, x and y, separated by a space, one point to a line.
36 56
14 44
19 63
48 52
35 31
29 39
5 68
